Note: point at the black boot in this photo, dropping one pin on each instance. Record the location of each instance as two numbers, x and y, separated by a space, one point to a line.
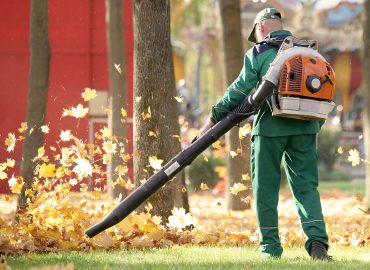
318 252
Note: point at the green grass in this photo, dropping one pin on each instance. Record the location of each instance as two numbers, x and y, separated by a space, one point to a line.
350 187
194 258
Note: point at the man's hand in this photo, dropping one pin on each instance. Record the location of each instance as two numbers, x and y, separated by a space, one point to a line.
204 129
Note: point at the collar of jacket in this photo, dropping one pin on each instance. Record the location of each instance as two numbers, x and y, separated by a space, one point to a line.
278 33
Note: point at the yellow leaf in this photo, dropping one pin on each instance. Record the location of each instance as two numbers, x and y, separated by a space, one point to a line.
246 177
118 68
155 163
123 113
152 134
65 136
354 157
246 199
45 129
84 187
137 99
179 219
88 94
73 181
3 175
205 158
10 162
47 170
148 207
146 115
179 99
23 127
15 184
83 168
204 186
340 150
233 154
237 187
228 148
183 189
217 145
122 170
244 130
77 112
125 157
109 147
106 133
10 142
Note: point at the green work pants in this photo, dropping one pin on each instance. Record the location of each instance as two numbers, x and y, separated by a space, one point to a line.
298 153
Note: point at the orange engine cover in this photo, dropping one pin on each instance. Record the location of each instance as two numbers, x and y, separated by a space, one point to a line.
297 74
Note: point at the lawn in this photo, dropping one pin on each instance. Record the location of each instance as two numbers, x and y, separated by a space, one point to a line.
195 257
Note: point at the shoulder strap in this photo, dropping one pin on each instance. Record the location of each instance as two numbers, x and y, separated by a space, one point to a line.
292 41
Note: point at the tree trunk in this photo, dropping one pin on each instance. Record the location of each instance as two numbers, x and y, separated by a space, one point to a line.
366 118
233 58
37 93
118 88
156 111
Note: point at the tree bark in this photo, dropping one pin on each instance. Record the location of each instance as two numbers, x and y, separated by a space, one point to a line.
118 88
366 118
232 47
154 85
37 92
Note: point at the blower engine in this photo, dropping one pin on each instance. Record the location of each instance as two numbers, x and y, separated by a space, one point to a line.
306 87
305 91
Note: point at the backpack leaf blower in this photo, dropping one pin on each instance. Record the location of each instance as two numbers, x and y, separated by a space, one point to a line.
249 106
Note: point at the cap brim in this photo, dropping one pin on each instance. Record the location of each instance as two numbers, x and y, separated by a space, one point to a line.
251 37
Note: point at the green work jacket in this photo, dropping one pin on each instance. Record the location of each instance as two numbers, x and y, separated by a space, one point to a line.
256 63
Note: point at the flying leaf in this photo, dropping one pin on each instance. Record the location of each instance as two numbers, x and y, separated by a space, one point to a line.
106 133
65 136
15 184
340 150
3 175
152 134
118 68
204 186
123 113
23 127
122 170
155 163
10 142
46 170
237 187
109 147
146 115
45 129
233 154
244 130
77 112
179 99
246 177
354 157
179 219
88 94
83 168
216 145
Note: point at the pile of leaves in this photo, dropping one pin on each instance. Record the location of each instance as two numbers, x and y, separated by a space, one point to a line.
56 217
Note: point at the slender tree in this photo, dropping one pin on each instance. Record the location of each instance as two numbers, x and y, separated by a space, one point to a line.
37 92
117 86
155 110
366 118
232 47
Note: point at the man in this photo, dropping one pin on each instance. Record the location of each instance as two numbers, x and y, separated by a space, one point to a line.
276 139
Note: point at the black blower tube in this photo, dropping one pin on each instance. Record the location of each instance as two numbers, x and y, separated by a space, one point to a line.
249 106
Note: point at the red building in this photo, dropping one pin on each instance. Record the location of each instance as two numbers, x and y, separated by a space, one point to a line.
77 33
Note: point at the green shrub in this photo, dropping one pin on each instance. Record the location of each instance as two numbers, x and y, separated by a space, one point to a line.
202 171
328 143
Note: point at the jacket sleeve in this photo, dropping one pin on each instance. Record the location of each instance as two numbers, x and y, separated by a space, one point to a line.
239 89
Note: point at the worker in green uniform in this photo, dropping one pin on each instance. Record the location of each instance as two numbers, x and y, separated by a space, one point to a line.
276 139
